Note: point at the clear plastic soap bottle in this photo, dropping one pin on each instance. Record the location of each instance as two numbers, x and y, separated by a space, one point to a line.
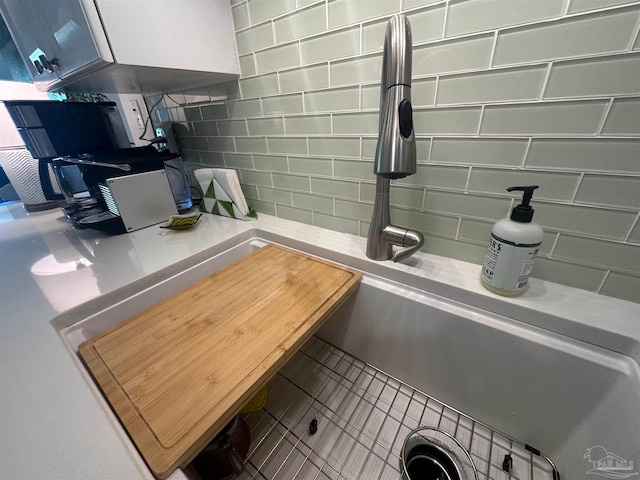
513 247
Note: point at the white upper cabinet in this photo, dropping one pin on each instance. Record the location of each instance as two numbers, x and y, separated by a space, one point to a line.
124 46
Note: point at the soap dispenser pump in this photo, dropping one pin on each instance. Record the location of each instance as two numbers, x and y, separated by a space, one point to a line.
514 244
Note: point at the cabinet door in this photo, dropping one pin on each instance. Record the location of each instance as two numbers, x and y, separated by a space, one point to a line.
54 38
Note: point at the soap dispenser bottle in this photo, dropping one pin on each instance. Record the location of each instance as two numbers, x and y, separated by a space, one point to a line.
513 247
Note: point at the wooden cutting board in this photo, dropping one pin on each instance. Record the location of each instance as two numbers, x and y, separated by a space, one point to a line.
178 372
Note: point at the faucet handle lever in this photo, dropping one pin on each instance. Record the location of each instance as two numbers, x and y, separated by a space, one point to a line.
403 237
412 241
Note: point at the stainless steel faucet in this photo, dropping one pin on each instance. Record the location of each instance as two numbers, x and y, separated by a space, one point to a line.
396 150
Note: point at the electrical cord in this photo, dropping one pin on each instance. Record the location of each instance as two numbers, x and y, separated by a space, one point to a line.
171 98
146 124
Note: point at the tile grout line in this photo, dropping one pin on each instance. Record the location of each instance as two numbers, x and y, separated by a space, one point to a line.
553 245
576 188
633 225
492 53
457 237
326 16
545 81
435 90
635 36
480 119
444 20
430 152
468 182
603 120
526 152
248 14
604 280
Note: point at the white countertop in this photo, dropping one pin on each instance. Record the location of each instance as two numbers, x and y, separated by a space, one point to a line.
51 424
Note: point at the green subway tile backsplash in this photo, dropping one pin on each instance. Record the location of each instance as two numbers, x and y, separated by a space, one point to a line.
355 123
205 129
287 145
332 100
222 144
208 158
282 197
295 214
313 202
292 182
214 112
336 223
270 162
244 108
284 104
311 166
255 178
303 79
335 146
227 128
502 95
335 188
308 125
352 209
265 126
234 160
360 170
251 145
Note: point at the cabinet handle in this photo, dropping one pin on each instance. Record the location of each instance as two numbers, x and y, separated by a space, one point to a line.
49 66
38 66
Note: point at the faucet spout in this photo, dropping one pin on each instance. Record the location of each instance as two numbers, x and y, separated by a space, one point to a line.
396 149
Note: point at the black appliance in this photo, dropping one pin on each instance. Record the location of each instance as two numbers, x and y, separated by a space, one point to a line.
86 146
103 205
53 129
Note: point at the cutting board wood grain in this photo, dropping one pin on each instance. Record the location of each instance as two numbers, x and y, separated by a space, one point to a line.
178 372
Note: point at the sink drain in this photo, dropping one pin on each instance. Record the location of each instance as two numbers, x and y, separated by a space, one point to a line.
430 462
432 454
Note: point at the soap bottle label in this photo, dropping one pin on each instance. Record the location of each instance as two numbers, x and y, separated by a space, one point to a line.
507 265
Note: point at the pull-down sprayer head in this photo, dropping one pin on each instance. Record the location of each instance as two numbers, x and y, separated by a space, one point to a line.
396 150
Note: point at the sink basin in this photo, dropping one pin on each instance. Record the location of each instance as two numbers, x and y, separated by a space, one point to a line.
555 393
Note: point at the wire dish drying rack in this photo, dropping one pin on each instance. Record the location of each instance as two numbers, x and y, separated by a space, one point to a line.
363 417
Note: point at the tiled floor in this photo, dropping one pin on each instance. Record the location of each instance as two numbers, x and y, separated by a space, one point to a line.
363 417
